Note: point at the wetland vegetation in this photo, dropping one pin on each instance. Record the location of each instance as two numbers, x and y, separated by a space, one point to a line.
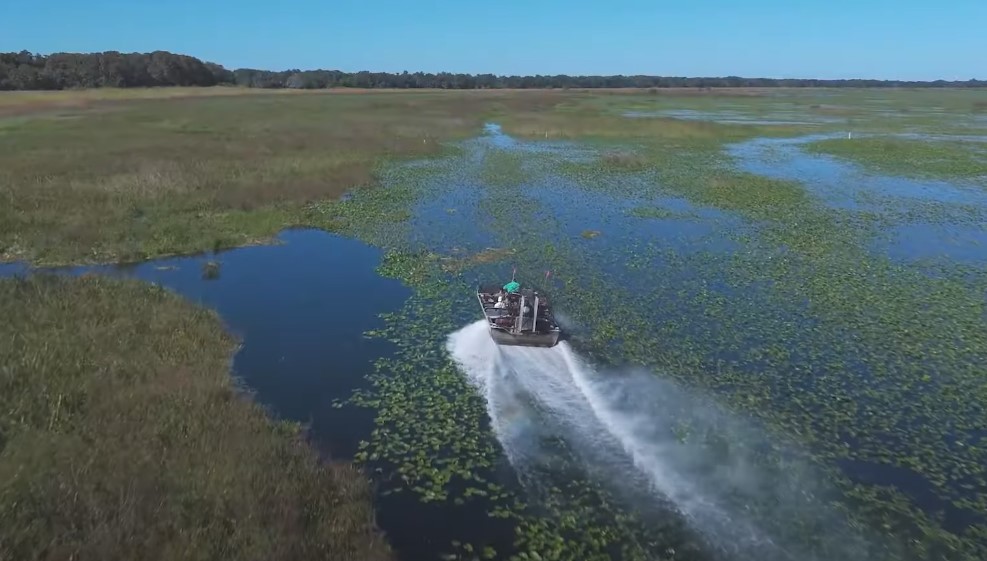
123 436
826 370
930 157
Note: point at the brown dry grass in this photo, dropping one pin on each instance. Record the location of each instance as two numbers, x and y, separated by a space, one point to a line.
138 178
24 102
28 102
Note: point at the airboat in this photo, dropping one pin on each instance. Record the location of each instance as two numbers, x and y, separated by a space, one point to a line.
518 316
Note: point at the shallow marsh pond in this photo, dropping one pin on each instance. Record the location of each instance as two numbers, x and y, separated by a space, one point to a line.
780 382
736 374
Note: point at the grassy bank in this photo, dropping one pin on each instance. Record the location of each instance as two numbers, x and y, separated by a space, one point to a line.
129 179
121 437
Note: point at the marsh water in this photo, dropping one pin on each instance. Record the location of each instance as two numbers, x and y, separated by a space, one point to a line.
302 306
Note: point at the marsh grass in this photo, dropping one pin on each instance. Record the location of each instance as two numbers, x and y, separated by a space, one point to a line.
122 437
54 101
151 177
456 263
898 156
29 101
798 111
588 123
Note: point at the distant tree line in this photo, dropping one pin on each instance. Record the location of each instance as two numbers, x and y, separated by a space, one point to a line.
28 71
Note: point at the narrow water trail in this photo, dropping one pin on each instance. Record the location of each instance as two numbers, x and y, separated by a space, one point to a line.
658 443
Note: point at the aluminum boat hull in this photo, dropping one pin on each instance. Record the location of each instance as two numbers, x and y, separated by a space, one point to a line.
501 337
510 327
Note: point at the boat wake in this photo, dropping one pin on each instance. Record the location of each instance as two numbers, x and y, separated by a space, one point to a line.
660 443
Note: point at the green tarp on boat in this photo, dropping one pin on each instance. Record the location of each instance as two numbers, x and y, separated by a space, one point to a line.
512 287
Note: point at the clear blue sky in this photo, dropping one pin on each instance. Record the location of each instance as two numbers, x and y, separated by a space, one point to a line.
904 39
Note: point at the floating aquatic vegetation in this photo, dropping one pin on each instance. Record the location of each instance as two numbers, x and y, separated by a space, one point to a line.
454 264
913 157
873 365
432 437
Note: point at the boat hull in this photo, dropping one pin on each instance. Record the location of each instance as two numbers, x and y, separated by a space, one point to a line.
510 326
501 337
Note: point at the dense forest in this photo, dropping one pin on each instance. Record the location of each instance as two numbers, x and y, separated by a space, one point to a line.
29 71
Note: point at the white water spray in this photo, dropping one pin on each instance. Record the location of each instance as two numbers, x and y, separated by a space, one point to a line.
647 432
